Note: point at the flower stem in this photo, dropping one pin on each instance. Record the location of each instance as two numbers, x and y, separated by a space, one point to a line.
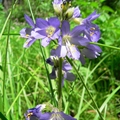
60 84
105 45
49 80
82 80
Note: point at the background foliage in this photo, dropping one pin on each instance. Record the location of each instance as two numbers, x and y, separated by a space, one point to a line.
25 76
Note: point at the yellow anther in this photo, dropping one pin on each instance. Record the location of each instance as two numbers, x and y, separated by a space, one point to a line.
27 35
50 30
92 28
29 115
92 33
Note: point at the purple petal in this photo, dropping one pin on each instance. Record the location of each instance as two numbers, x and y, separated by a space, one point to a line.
76 13
41 23
23 33
65 27
54 21
73 52
29 42
82 59
53 52
77 30
57 2
89 53
36 35
61 51
94 48
53 74
66 66
29 21
50 62
79 41
56 35
42 32
45 41
92 32
92 17
67 117
70 76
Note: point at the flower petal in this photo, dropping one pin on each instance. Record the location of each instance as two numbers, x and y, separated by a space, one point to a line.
65 27
73 52
29 42
41 23
67 117
89 53
77 30
61 51
79 41
56 35
70 76
66 66
53 74
45 41
91 17
50 62
82 59
54 21
29 21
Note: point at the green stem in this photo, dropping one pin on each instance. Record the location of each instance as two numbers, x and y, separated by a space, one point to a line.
49 80
60 84
81 78
10 34
105 45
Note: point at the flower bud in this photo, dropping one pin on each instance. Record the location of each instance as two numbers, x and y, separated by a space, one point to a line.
69 13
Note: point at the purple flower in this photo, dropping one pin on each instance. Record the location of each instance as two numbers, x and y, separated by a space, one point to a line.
69 40
91 51
91 17
92 33
36 114
49 29
66 67
29 33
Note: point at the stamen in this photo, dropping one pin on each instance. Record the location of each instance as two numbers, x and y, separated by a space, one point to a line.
92 31
27 35
66 38
50 30
29 115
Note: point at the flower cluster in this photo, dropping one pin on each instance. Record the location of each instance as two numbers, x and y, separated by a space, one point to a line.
74 44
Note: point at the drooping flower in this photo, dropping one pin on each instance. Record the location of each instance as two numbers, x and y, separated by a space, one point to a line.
91 32
49 29
66 68
69 40
29 33
36 114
